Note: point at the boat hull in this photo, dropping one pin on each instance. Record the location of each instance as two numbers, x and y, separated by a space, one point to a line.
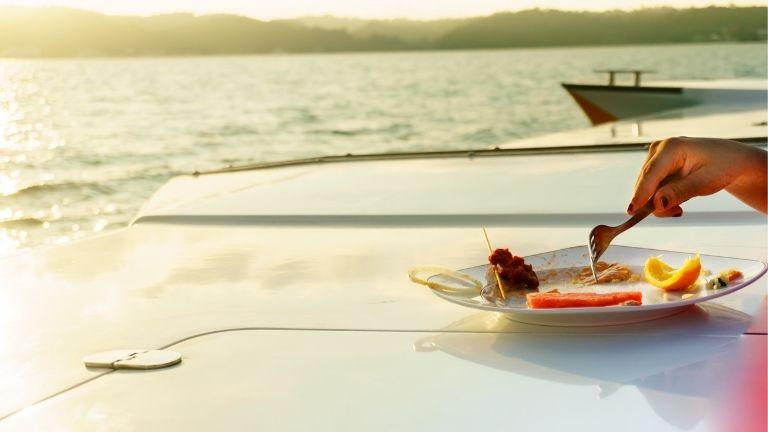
606 103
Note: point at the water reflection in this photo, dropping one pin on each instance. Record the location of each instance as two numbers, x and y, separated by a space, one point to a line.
675 363
94 132
46 195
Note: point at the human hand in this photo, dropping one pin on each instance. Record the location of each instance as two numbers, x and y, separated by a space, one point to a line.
678 169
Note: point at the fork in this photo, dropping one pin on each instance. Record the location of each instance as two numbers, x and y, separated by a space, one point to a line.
601 236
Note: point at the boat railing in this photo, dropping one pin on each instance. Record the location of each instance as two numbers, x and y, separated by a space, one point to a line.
638 73
760 141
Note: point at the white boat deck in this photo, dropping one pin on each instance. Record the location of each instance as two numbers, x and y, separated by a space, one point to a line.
729 84
555 189
728 122
300 272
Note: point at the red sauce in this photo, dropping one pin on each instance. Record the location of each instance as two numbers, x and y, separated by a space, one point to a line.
513 270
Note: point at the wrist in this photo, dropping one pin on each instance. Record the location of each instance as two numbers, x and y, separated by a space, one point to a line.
750 185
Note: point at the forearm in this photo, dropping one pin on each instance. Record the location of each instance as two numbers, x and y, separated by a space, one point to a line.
751 187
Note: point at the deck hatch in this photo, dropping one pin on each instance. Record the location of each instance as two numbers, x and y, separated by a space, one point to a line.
132 359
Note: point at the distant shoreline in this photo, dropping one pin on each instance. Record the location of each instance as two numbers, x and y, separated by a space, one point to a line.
404 51
68 33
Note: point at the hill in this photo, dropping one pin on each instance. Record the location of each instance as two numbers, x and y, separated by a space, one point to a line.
61 32
418 34
534 28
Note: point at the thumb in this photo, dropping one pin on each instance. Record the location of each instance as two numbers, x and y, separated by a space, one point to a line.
681 189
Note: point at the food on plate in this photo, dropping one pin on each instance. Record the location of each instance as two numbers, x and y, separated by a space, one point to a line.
512 270
551 300
664 276
513 274
464 282
722 279
606 273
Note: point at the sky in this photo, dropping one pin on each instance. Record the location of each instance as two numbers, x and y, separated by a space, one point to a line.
414 9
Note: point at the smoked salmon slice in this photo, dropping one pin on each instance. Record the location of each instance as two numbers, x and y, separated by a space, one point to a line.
568 300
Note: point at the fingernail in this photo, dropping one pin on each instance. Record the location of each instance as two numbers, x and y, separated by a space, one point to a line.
630 208
664 202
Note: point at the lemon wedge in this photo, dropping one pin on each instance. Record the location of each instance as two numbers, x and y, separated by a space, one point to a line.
660 274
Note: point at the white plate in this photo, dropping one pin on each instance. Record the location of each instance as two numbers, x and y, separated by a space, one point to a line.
563 263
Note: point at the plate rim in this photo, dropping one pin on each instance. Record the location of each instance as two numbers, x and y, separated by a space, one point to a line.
608 309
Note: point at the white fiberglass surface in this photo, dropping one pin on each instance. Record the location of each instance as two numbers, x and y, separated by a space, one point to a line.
525 186
730 84
697 121
446 380
154 283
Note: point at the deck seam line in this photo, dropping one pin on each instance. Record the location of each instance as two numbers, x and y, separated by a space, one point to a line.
329 330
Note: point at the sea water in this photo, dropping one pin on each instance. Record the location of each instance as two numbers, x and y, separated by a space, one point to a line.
84 142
